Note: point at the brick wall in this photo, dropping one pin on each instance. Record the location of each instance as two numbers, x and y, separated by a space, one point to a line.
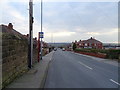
14 57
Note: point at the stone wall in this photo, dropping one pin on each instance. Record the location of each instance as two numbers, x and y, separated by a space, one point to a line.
14 57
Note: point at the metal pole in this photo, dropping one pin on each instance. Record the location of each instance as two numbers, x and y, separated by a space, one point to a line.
41 31
38 46
30 42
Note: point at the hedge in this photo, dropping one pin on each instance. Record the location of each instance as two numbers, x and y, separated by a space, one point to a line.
110 53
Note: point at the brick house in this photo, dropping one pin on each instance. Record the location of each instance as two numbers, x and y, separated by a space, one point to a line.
90 43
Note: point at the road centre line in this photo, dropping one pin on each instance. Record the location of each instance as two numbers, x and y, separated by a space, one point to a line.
85 65
114 82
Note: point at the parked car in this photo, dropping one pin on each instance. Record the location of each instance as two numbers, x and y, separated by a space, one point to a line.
55 49
63 49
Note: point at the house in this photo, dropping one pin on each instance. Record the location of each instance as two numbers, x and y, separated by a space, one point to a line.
90 43
10 30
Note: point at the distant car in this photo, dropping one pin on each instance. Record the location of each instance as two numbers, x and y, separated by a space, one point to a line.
63 49
55 49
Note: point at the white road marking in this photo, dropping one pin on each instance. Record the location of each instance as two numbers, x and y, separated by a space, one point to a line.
77 54
115 82
85 65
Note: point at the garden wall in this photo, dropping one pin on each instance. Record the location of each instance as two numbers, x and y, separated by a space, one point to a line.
14 56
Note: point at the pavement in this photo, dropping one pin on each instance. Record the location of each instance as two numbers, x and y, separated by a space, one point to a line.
70 70
35 77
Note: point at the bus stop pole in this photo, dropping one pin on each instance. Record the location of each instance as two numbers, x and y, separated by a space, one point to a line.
41 31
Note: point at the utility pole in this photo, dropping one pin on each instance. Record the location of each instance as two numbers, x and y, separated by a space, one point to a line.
30 40
41 31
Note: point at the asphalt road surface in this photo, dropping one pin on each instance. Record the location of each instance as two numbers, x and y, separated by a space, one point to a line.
70 70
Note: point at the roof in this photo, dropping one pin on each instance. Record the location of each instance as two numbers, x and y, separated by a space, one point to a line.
5 29
91 40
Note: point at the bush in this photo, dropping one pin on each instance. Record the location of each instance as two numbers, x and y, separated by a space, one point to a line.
74 46
111 53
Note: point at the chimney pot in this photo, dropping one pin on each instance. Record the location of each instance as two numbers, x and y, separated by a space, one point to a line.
10 26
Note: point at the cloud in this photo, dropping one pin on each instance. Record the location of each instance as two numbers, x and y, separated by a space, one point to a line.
60 34
13 15
17 15
111 32
19 19
93 33
67 21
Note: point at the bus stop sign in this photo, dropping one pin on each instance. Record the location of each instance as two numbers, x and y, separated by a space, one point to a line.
41 34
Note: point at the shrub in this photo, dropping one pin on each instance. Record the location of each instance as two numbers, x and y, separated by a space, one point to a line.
111 53
74 46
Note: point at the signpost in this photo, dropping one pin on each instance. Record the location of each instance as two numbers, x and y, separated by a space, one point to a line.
40 36
41 33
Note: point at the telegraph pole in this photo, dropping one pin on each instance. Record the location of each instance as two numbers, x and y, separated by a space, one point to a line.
30 40
41 31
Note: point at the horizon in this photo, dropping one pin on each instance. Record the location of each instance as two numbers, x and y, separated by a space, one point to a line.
68 42
71 42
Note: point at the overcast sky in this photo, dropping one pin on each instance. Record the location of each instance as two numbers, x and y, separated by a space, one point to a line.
65 21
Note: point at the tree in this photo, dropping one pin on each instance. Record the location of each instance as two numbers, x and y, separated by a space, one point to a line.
74 46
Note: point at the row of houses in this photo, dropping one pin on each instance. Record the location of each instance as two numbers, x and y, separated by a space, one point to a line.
90 43
93 43
9 29
35 42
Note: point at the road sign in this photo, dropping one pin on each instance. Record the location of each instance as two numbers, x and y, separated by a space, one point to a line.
41 34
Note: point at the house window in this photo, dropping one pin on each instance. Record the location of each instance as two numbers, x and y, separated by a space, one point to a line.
88 44
95 44
85 44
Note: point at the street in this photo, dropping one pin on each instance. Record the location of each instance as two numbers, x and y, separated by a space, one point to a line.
70 70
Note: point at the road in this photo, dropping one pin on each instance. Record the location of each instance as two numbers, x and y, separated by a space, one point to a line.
70 70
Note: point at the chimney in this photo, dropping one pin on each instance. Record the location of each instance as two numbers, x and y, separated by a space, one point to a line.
35 38
91 38
10 26
27 35
75 41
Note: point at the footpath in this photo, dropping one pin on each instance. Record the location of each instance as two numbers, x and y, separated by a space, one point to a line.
35 77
